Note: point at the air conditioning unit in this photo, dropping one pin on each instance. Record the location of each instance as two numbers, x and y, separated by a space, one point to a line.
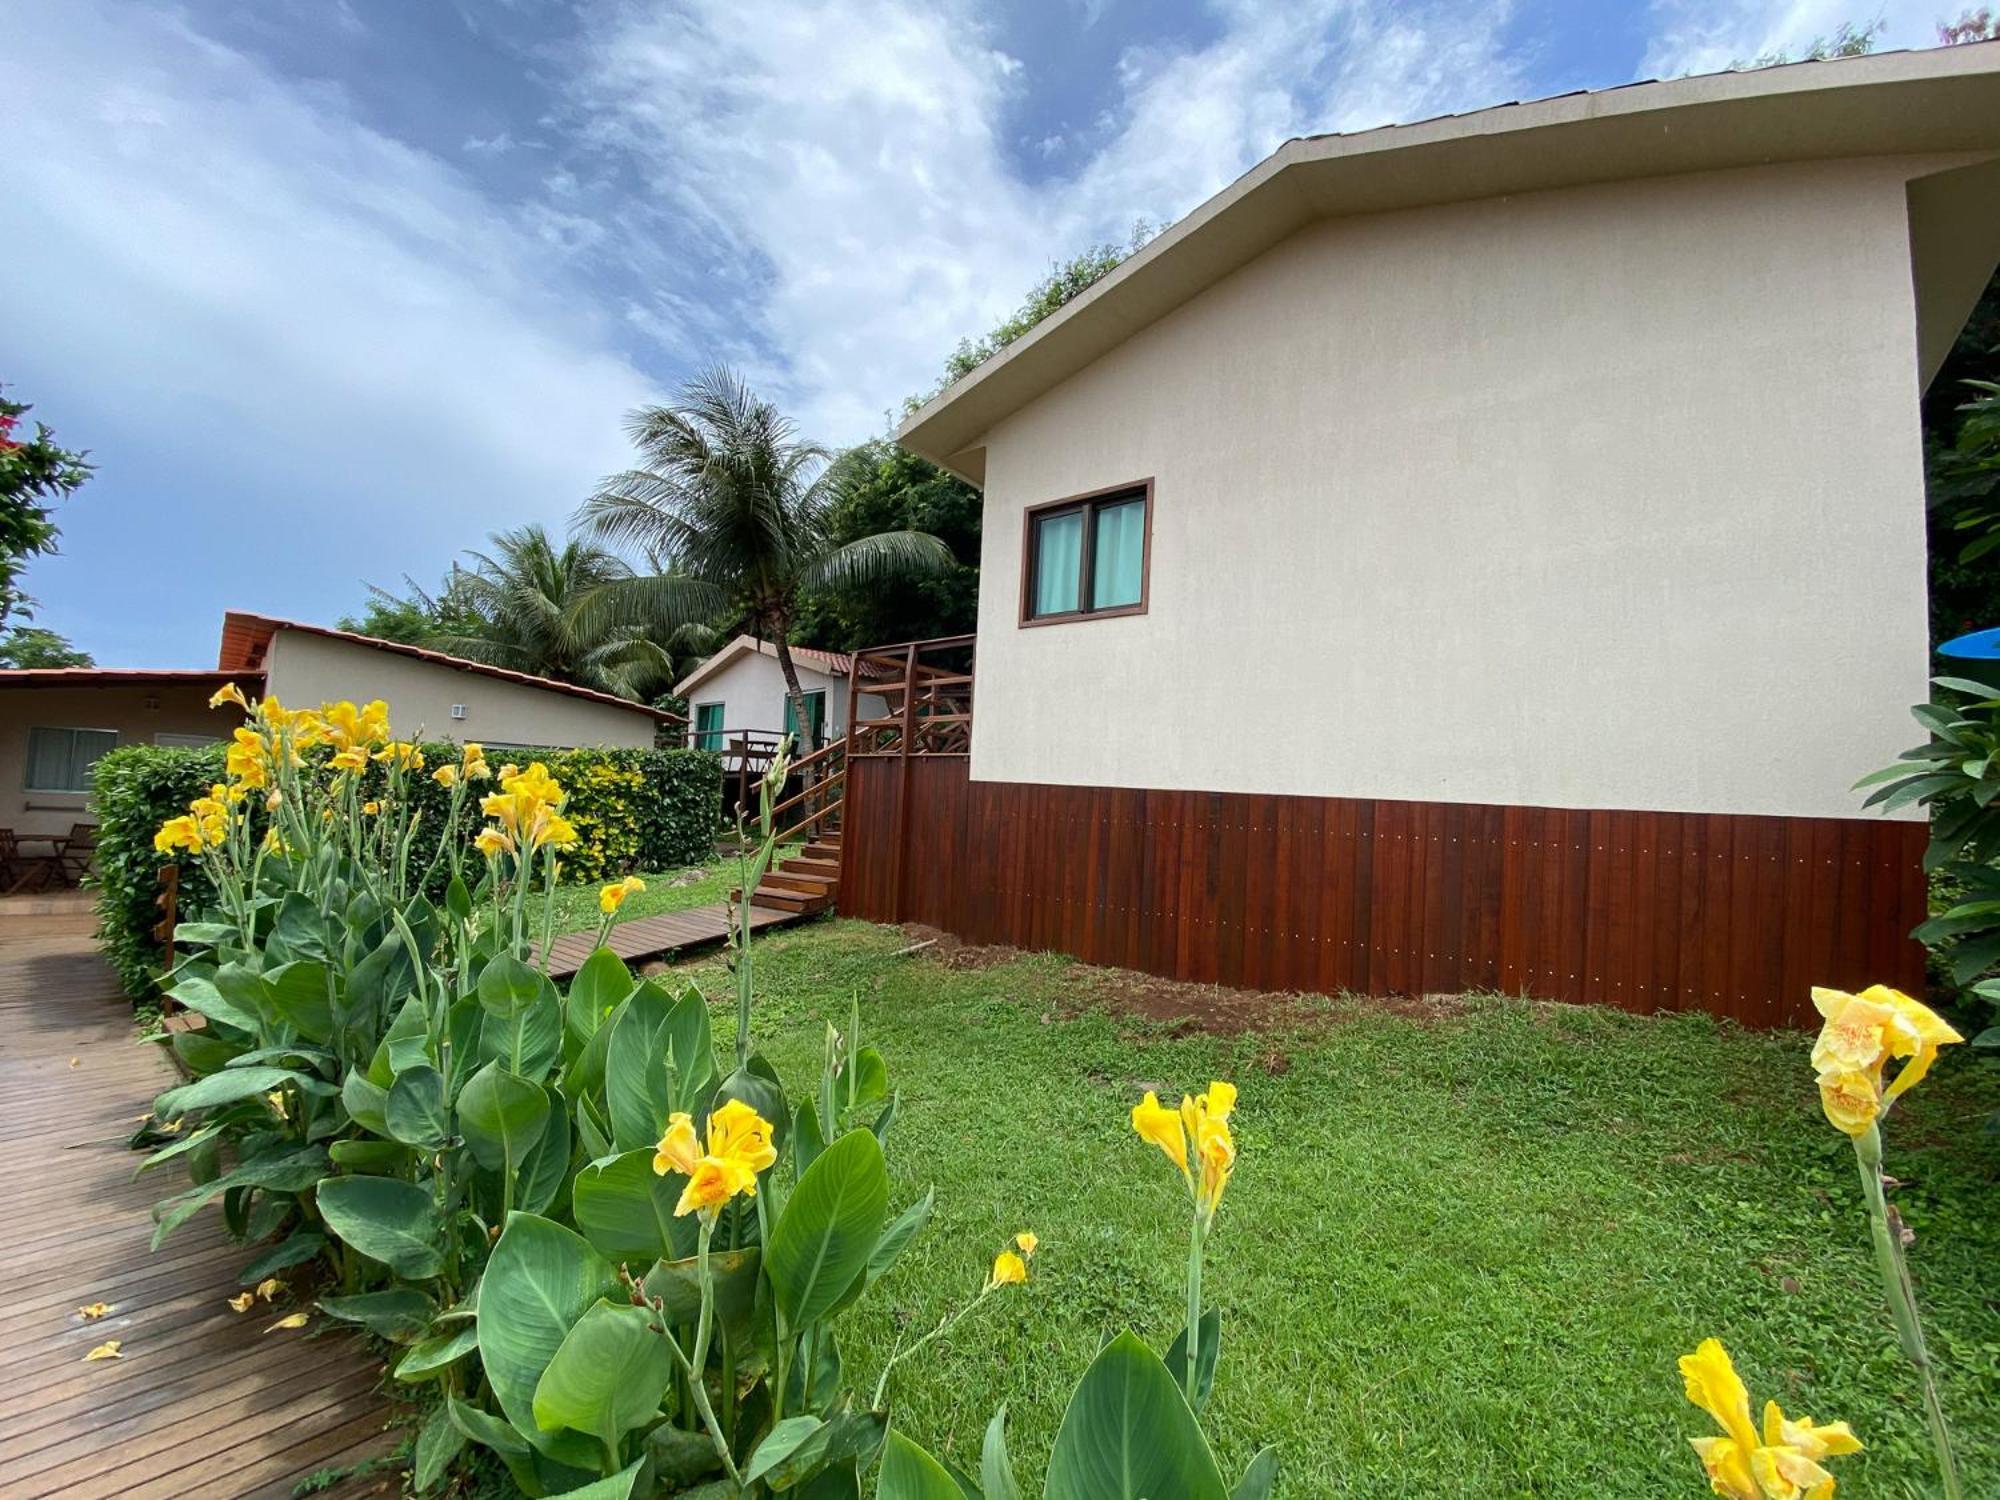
458 710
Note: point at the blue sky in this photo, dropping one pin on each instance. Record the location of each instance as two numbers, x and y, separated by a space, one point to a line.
332 288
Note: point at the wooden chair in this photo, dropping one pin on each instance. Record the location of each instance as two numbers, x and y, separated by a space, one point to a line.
76 854
10 859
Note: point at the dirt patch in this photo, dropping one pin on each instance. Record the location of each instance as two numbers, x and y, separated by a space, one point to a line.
940 947
1183 1007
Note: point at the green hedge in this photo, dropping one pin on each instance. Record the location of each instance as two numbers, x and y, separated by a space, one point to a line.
634 810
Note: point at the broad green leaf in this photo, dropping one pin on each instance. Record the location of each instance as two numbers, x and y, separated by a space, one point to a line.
205 1051
1128 1434
539 1281
1260 1479
596 989
836 1482
231 1085
681 1458
676 1284
290 1170
501 1115
243 988
416 1114
807 1138
203 934
846 1438
484 1427
1205 1358
829 1228
367 1103
387 1220
779 1444
382 1158
868 1081
545 1169
996 1469
435 1354
532 1035
507 987
438 1443
400 1314
607 1375
638 1069
299 992
627 1211
300 1246
618 1486
408 1038
909 1473
198 993
208 1133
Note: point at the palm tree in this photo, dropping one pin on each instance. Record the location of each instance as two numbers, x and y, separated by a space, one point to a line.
549 610
734 509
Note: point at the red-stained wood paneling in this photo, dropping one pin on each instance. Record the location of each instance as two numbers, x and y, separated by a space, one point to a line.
1734 915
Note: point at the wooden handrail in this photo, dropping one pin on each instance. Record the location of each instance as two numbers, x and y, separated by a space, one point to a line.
819 816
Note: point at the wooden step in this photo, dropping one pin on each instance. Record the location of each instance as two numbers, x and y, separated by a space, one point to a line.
827 867
779 900
790 880
824 849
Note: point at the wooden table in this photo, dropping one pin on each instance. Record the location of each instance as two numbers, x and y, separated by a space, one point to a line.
47 866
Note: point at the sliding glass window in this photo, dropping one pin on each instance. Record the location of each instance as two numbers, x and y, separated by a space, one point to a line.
1087 556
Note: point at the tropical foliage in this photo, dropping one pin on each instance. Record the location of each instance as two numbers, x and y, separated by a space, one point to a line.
737 513
632 810
32 646
35 474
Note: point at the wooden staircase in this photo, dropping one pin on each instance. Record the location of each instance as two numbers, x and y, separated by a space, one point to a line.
809 882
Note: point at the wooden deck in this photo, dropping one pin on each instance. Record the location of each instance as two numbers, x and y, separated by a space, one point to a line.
669 933
204 1401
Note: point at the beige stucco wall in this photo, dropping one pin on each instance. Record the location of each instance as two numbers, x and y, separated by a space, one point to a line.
308 670
752 691
1607 497
138 714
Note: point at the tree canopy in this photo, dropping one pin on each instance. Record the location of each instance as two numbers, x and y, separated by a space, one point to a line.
35 474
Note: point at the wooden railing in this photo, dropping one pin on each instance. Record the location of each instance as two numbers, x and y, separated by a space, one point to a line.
926 688
814 810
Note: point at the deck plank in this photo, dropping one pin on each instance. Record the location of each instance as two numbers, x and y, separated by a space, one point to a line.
205 1402
666 935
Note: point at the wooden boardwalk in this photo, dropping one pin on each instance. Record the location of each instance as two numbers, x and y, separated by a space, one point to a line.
204 1401
658 937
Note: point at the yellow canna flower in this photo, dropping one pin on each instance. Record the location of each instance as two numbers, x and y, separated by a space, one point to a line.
269 1288
679 1149
1829 1441
739 1147
1026 1243
370 809
1785 1465
229 692
352 761
445 776
243 1301
1851 1100
1008 1269
1863 1032
1160 1125
613 896
402 754
492 843
1713 1384
178 833
109 1349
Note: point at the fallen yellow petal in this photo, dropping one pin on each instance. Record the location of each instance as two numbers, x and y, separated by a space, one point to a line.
244 1301
106 1350
293 1320
93 1312
74 1061
269 1288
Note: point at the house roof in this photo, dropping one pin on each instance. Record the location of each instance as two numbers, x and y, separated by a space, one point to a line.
832 663
246 639
1944 100
90 677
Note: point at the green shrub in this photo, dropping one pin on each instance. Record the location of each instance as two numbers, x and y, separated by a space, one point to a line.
635 810
136 789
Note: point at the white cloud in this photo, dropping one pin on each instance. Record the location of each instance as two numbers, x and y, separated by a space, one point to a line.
847 157
1706 36
330 357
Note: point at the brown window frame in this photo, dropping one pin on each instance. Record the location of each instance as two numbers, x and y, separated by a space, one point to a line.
1086 504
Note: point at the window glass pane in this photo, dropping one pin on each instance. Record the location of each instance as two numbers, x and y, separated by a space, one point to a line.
708 726
1058 562
59 760
1118 557
815 710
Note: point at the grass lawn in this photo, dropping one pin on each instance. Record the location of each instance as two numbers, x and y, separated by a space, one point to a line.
706 884
1461 1251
